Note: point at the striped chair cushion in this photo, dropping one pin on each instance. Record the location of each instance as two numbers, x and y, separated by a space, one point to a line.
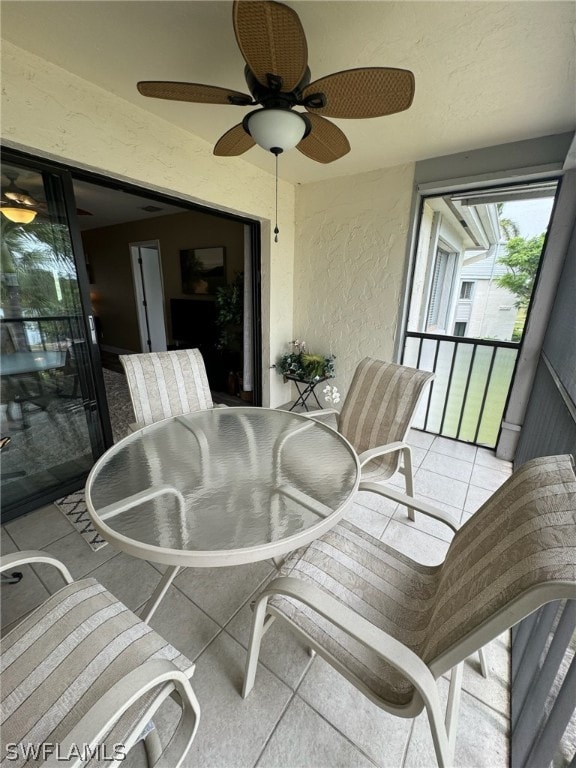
63 656
164 384
384 586
523 536
378 410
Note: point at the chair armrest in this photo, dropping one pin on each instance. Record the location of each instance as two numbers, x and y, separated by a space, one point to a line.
99 720
410 501
387 647
381 450
29 556
320 412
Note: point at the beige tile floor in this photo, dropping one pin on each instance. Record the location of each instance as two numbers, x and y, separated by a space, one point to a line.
301 714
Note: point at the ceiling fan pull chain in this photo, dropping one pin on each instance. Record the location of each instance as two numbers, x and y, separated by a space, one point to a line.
276 230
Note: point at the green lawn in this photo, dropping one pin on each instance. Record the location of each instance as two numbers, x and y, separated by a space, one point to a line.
455 423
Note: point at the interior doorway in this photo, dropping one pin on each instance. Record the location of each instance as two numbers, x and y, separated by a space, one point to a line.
198 284
149 290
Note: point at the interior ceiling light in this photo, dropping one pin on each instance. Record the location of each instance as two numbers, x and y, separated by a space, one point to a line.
19 214
19 205
273 44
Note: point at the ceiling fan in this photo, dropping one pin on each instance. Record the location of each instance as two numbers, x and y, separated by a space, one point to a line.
273 44
17 204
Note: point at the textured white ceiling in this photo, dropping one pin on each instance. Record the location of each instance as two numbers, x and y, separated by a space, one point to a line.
486 72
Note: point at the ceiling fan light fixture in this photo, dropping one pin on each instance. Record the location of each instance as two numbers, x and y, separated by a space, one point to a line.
18 214
276 130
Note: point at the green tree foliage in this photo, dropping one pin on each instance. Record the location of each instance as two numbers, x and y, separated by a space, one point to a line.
521 259
35 259
509 228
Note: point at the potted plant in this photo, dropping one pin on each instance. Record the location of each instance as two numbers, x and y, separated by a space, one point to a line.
304 365
229 318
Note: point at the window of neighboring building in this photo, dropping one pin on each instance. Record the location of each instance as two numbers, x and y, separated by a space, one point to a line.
460 329
441 291
466 290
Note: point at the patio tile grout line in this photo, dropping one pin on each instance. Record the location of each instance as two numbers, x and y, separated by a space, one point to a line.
295 694
407 745
275 728
332 725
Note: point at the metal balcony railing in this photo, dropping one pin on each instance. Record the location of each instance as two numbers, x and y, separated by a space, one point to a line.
467 398
50 332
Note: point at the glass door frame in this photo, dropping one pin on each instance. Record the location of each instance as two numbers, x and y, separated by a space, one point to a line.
92 381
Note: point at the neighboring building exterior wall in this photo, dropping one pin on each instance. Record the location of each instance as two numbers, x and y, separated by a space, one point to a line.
422 270
439 258
492 312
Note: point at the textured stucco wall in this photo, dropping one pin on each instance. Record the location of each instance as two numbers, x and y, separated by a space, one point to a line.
51 113
349 264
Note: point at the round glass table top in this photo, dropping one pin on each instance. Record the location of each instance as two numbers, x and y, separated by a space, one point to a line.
222 487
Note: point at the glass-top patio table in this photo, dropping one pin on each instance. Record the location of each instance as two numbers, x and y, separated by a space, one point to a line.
221 487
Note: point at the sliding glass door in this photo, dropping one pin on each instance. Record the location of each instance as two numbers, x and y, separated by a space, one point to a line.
53 416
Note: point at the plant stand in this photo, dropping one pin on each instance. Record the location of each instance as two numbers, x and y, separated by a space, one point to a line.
305 389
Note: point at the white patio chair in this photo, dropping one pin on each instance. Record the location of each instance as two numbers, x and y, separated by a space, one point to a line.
164 384
376 417
81 672
393 627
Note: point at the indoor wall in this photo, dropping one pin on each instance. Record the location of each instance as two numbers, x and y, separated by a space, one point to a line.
108 252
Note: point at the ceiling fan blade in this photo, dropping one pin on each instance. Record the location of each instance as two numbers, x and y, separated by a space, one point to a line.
271 40
325 142
196 92
234 142
363 92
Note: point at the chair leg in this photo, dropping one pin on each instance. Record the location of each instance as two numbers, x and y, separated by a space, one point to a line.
484 666
256 634
453 707
439 734
153 747
444 728
408 478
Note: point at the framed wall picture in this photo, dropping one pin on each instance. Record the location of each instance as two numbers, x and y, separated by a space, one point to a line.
203 270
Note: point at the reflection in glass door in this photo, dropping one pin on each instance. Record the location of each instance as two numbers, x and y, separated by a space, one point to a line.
49 419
